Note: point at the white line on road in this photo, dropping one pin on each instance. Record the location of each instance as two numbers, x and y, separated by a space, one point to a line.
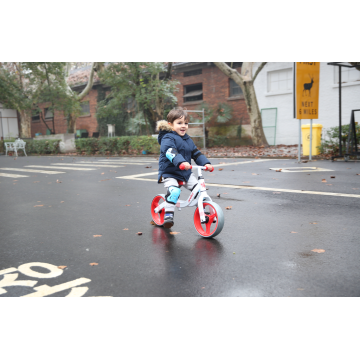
141 177
111 163
300 169
59 167
113 166
35 171
13 175
246 162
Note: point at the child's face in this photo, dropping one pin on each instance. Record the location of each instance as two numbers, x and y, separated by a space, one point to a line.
180 126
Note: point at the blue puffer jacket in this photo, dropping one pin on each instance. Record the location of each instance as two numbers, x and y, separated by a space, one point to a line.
174 150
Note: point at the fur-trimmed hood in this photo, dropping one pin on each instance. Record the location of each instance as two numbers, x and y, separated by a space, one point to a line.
163 125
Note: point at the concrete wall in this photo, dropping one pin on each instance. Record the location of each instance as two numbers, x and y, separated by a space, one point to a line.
287 126
67 143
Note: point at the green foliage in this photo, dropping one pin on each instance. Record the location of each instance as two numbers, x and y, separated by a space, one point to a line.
120 117
117 145
221 112
330 142
218 140
41 147
139 85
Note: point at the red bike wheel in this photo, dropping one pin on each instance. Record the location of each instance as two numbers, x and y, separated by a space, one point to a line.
215 220
158 218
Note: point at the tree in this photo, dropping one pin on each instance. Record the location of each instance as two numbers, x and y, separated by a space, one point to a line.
23 85
147 84
246 80
356 64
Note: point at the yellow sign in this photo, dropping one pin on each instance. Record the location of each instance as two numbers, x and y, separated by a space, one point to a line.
307 90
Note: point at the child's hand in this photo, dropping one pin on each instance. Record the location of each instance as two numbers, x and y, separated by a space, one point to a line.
187 165
209 167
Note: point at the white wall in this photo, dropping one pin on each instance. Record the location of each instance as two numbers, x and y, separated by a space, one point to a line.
287 127
9 124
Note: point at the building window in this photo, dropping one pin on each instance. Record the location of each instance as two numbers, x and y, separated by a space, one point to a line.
35 116
48 114
193 72
193 93
85 108
347 75
235 89
280 80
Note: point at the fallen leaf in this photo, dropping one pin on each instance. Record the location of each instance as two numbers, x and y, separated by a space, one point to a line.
105 179
245 182
222 162
62 201
62 266
228 207
254 174
97 235
38 205
148 167
355 188
299 289
152 222
332 177
225 193
127 205
139 233
328 184
93 264
293 232
218 195
304 161
313 223
58 181
323 180
174 233
276 192
223 169
102 173
318 250
126 229
279 170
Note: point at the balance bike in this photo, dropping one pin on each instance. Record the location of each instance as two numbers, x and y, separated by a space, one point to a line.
208 216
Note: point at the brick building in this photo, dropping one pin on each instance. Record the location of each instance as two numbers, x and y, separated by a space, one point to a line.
199 82
204 82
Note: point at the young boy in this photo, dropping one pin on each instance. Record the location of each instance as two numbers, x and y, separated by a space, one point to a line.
177 148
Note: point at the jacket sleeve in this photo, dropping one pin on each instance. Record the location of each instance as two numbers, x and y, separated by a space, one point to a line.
168 148
199 157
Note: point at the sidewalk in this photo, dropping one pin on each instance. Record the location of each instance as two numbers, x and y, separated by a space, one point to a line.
277 151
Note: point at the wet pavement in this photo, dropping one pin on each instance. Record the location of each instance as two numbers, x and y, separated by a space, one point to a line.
276 221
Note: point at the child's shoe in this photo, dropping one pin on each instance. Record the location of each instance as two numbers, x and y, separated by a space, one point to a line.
169 219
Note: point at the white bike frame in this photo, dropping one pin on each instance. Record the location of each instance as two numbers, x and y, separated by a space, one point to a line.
191 201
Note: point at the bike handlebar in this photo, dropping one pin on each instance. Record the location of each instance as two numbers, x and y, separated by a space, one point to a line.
182 167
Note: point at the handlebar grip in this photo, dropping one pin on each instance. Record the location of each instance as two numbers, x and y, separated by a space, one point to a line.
182 166
208 168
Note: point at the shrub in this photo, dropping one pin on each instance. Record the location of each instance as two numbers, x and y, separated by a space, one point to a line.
117 145
41 147
330 142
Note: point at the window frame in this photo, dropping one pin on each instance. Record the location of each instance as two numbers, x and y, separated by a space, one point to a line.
185 92
289 79
85 114
241 95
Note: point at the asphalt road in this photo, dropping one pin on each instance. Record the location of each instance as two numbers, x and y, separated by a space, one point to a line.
276 221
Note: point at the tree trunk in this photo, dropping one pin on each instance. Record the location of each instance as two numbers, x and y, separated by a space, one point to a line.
257 131
246 82
25 124
71 124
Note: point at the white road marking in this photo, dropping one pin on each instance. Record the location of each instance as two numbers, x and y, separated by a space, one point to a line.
54 270
77 291
45 290
35 171
301 169
130 159
13 175
246 162
10 280
113 166
141 177
58 167
112 163
6 271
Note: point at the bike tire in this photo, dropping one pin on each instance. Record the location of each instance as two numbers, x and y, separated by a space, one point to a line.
158 218
210 229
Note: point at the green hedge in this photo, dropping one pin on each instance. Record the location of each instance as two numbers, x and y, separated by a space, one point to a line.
117 145
40 147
